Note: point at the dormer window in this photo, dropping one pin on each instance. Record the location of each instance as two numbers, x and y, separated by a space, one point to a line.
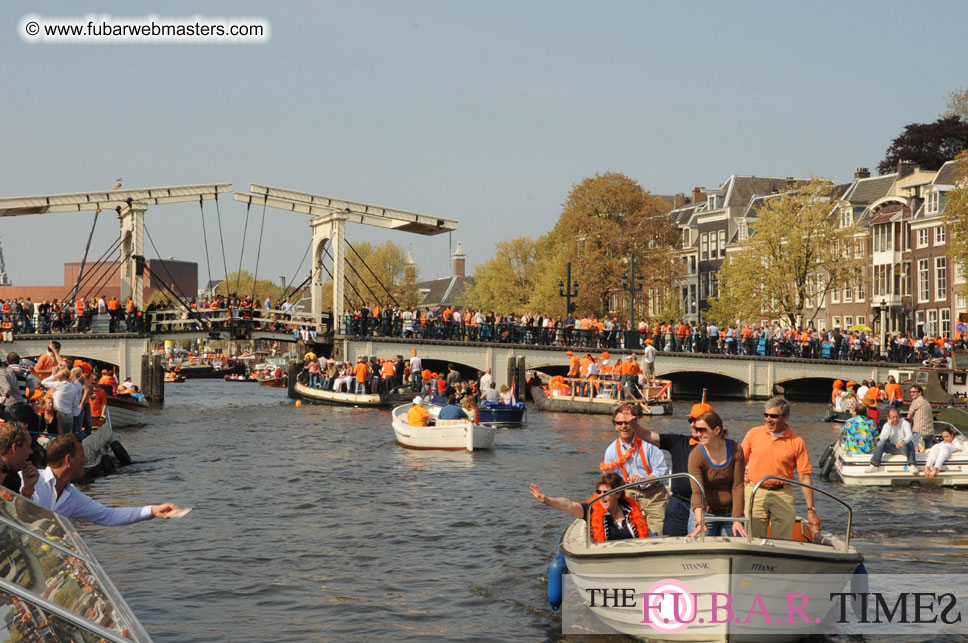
846 217
934 200
742 232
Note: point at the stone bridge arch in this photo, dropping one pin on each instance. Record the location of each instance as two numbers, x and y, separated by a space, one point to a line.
689 384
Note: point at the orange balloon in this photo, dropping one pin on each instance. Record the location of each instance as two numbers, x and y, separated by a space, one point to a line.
298 403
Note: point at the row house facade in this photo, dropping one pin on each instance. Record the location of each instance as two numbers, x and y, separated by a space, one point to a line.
907 282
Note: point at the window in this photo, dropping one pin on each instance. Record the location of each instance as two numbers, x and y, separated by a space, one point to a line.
919 322
713 245
848 294
835 296
742 231
859 249
959 273
722 243
922 238
846 217
905 289
704 247
940 235
818 289
945 321
713 285
883 280
934 199
932 326
940 278
883 237
923 280
848 321
861 319
692 298
692 265
961 300
820 322
703 285
861 286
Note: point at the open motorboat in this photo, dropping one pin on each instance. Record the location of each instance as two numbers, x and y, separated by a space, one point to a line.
573 395
812 565
299 390
500 413
893 472
452 435
51 587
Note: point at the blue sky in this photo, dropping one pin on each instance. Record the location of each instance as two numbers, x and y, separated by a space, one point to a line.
483 112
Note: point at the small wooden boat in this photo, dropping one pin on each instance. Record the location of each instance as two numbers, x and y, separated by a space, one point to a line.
54 588
813 565
173 377
281 381
600 397
498 413
449 435
126 410
197 371
239 378
300 391
894 471
833 415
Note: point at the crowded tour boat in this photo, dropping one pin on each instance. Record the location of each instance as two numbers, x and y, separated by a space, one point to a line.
433 432
594 396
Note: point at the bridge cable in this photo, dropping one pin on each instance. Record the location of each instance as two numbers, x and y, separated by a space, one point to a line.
258 254
80 272
218 213
168 272
114 246
392 298
363 282
285 293
351 285
333 279
192 313
104 279
245 229
208 264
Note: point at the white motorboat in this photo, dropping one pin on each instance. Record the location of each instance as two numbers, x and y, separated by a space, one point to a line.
894 470
812 565
51 586
452 435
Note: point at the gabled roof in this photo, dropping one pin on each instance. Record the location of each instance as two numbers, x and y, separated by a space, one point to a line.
948 174
866 191
740 189
442 291
682 216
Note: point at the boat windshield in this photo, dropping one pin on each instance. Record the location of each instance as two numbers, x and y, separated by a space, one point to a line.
51 587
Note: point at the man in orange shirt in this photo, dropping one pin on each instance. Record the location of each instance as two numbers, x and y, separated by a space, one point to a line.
418 415
47 363
892 390
360 372
773 449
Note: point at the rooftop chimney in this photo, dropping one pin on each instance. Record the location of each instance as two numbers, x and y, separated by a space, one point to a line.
904 168
862 173
459 261
698 195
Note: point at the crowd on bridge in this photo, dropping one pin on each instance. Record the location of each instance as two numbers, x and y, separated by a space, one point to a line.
592 332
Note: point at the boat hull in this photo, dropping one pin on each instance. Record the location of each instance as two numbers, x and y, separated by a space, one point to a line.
893 471
126 410
500 414
320 396
448 435
274 382
724 565
592 405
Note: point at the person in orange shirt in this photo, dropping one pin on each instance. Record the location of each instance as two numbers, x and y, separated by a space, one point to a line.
773 449
98 401
418 415
892 390
360 371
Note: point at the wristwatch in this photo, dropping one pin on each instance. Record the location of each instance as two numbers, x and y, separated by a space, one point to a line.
813 509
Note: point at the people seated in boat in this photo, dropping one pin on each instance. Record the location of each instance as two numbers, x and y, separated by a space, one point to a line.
126 387
869 403
940 452
53 489
418 415
451 410
345 379
615 517
717 462
491 394
859 432
895 437
15 450
638 460
679 518
773 449
505 395
850 397
467 406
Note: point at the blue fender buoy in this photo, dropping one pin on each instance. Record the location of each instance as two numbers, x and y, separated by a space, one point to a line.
555 580
859 584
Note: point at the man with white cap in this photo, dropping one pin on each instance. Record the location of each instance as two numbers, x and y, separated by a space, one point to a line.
418 415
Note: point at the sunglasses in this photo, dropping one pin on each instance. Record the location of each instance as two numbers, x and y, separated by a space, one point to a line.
772 415
700 429
622 422
601 491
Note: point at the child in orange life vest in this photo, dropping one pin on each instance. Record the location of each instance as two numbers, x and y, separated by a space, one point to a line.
614 517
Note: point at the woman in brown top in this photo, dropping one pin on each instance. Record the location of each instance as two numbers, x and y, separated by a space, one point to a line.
719 465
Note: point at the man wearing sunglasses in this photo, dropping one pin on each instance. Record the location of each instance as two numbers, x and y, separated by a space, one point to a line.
635 460
679 518
773 449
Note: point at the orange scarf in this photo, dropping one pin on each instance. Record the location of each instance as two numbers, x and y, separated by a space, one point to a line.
622 458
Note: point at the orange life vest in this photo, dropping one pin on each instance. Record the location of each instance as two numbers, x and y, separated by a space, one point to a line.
633 515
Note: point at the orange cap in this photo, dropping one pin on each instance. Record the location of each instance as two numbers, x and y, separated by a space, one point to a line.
698 409
569 353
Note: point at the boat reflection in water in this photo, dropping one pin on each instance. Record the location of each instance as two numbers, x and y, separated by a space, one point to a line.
51 587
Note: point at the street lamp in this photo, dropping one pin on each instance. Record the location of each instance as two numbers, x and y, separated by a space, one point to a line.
883 327
572 291
632 284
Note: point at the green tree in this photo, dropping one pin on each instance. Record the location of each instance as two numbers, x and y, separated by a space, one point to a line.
955 215
506 281
796 252
605 219
244 283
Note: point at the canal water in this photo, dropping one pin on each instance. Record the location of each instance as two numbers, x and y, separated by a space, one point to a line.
311 524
